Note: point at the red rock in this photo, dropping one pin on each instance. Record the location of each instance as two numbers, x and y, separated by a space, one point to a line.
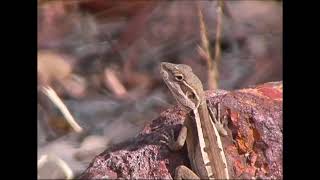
255 126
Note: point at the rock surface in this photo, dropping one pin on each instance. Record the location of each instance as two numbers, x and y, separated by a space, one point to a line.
253 146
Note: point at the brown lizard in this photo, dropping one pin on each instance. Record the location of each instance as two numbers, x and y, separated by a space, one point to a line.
199 131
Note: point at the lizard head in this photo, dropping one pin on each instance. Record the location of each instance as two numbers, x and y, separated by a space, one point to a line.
185 86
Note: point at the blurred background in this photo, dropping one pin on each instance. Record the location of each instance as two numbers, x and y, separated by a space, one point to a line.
101 59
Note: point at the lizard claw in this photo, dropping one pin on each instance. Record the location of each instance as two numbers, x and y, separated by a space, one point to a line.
225 120
165 136
164 142
168 138
221 129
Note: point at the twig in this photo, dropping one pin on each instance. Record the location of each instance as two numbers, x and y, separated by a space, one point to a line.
62 164
113 83
62 107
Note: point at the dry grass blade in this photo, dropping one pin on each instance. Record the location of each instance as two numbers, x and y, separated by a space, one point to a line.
113 83
204 52
62 107
63 165
217 54
204 35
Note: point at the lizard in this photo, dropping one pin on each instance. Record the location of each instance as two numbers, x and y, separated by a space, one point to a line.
200 130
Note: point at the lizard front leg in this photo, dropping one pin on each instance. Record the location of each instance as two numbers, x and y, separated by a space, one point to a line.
181 172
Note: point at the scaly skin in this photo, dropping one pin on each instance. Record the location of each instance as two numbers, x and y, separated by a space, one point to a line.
204 145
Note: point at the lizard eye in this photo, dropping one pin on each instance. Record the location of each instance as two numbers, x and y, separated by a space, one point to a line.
179 77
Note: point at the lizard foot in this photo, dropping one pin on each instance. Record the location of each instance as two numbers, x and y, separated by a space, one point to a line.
168 138
216 117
